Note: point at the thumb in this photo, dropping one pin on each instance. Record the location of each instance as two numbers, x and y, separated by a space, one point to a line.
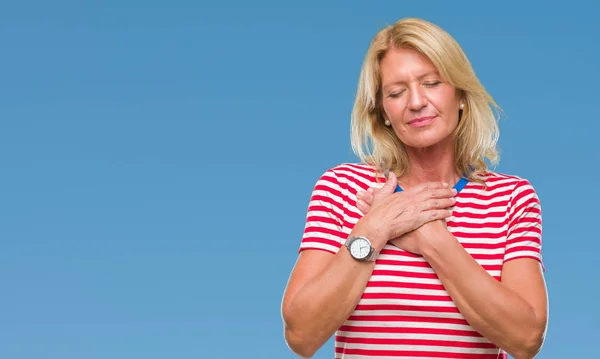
390 186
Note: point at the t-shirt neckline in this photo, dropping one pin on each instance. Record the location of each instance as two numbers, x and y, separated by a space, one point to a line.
462 182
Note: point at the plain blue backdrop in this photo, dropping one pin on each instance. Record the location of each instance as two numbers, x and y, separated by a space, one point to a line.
157 160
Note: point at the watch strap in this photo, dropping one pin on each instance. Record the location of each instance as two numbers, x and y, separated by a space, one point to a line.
372 257
373 254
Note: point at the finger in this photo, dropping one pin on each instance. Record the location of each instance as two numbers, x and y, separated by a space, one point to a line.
418 220
433 194
371 190
360 194
439 193
368 198
390 185
437 203
362 206
434 214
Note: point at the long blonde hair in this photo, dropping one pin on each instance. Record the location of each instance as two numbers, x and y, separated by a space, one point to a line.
477 133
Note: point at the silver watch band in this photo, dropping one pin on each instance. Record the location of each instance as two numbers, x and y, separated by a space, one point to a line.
373 254
372 257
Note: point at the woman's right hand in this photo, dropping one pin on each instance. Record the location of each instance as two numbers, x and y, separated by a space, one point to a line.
391 215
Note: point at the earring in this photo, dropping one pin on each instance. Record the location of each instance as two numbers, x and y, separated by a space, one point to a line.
462 106
387 123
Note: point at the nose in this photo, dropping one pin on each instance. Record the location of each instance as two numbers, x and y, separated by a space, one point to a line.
417 99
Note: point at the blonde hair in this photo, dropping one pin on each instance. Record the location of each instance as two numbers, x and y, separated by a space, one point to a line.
477 133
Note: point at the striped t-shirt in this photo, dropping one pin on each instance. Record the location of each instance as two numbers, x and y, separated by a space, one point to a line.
405 312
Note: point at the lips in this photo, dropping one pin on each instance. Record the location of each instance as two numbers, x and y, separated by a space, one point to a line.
421 121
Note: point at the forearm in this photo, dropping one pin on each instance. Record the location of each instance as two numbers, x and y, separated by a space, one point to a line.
322 305
492 309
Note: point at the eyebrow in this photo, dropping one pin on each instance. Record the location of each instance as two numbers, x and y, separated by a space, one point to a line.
420 77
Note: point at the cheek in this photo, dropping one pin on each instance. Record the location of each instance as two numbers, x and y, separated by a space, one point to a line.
452 101
393 109
447 104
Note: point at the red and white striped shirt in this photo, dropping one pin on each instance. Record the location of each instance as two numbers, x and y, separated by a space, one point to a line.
405 312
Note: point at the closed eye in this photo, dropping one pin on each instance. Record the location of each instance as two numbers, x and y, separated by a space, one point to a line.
396 94
432 84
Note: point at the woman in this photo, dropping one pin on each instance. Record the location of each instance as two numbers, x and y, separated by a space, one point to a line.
443 260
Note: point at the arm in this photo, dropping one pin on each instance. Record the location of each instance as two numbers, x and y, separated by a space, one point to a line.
511 313
324 288
326 282
322 292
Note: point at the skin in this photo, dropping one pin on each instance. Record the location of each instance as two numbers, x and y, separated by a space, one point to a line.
324 288
512 313
412 88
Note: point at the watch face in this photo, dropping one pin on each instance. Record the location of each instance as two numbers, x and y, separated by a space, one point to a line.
360 248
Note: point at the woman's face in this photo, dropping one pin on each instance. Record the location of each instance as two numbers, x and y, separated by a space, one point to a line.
421 107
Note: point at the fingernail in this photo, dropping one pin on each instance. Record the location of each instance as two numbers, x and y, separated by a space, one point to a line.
445 184
454 190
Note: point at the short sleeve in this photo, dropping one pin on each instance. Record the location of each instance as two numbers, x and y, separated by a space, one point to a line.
524 237
324 218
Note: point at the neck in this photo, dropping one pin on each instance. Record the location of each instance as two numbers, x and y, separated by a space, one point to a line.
431 164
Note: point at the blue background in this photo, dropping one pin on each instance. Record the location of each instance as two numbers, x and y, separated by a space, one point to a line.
157 160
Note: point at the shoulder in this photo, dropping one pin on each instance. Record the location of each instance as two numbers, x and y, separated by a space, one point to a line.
355 176
504 181
344 180
513 186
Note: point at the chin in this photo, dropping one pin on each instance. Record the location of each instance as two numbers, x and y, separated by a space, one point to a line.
425 140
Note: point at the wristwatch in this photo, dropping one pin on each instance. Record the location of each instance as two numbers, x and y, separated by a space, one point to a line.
361 249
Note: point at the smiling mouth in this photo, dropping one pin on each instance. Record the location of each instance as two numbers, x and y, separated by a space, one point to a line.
421 121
